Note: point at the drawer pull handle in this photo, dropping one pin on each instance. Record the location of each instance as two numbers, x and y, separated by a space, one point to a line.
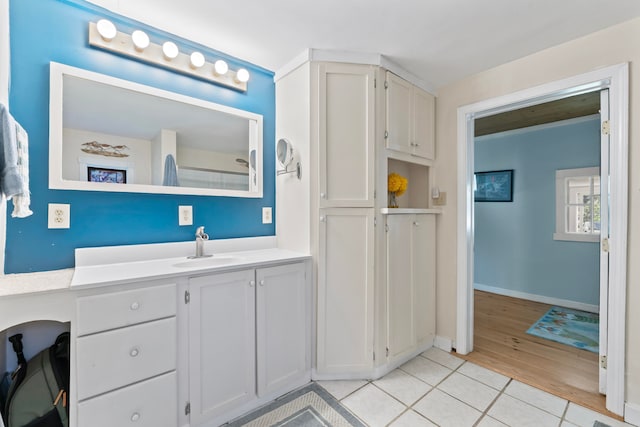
135 306
134 352
135 417
252 283
261 282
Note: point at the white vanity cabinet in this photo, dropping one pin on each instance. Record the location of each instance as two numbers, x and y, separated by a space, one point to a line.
125 357
410 118
410 282
248 339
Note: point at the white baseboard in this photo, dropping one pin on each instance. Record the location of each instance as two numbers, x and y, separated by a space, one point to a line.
538 298
632 414
443 343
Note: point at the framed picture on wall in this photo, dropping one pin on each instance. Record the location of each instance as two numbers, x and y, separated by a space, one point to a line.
114 176
494 186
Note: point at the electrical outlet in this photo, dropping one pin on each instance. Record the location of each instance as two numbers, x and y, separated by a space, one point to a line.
59 215
266 216
185 215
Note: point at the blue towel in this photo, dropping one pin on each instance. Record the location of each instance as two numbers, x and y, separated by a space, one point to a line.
14 164
170 172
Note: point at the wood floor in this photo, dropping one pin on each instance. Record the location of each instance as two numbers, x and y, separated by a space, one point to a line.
502 344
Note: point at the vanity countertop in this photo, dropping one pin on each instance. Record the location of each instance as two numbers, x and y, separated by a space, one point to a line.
114 265
29 283
165 268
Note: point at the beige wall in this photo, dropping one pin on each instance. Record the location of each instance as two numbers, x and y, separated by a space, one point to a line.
608 47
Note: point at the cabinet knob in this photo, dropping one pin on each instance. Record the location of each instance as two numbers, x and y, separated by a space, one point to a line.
135 306
322 218
135 417
261 282
134 352
252 283
323 196
416 223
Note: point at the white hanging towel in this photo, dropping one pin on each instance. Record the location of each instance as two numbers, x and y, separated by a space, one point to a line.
14 164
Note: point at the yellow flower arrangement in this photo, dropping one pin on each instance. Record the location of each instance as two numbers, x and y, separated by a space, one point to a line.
397 184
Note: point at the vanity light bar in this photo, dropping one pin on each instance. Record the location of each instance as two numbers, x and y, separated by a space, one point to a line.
104 35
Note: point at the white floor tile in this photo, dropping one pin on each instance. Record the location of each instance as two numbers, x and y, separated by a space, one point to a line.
341 389
567 424
536 397
487 421
404 387
412 419
446 411
426 370
443 358
514 412
373 406
470 391
584 417
484 375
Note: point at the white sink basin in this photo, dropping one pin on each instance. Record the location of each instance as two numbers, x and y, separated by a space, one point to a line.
206 262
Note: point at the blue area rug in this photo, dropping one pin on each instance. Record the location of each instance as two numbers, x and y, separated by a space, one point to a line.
572 327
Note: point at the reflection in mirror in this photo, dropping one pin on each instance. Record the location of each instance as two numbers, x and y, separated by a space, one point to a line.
108 134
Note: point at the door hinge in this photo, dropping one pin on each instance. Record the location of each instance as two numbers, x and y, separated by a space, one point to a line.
603 362
375 194
375 83
375 221
187 297
386 84
386 228
187 408
374 356
606 127
387 351
605 245
386 134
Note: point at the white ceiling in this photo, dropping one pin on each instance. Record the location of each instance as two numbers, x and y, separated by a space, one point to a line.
438 41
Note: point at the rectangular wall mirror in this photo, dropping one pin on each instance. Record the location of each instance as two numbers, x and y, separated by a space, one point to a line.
108 134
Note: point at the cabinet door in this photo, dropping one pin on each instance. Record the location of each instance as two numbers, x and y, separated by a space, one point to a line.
221 343
282 310
423 134
345 291
398 114
424 276
400 293
346 134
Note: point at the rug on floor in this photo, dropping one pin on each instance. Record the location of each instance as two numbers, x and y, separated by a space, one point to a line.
567 326
310 406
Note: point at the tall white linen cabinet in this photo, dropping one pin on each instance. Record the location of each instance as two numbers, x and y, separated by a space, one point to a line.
374 267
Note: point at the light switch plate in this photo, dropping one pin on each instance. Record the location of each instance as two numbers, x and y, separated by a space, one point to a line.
266 216
59 215
185 215
441 200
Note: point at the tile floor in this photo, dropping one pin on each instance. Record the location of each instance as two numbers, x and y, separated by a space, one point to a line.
439 389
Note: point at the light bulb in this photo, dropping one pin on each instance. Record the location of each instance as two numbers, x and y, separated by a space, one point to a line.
140 40
197 60
242 75
106 29
170 50
220 67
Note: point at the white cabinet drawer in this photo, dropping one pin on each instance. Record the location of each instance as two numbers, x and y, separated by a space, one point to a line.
118 358
109 311
152 403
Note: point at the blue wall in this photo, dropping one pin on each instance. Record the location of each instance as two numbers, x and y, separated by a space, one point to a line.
57 30
514 246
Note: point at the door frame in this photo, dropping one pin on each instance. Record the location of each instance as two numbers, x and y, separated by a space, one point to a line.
616 79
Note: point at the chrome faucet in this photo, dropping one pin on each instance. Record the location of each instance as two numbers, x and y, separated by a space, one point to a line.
201 237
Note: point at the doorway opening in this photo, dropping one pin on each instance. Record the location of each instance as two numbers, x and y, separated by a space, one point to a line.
613 293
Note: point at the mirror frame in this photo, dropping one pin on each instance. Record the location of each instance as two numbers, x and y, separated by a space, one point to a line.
57 182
